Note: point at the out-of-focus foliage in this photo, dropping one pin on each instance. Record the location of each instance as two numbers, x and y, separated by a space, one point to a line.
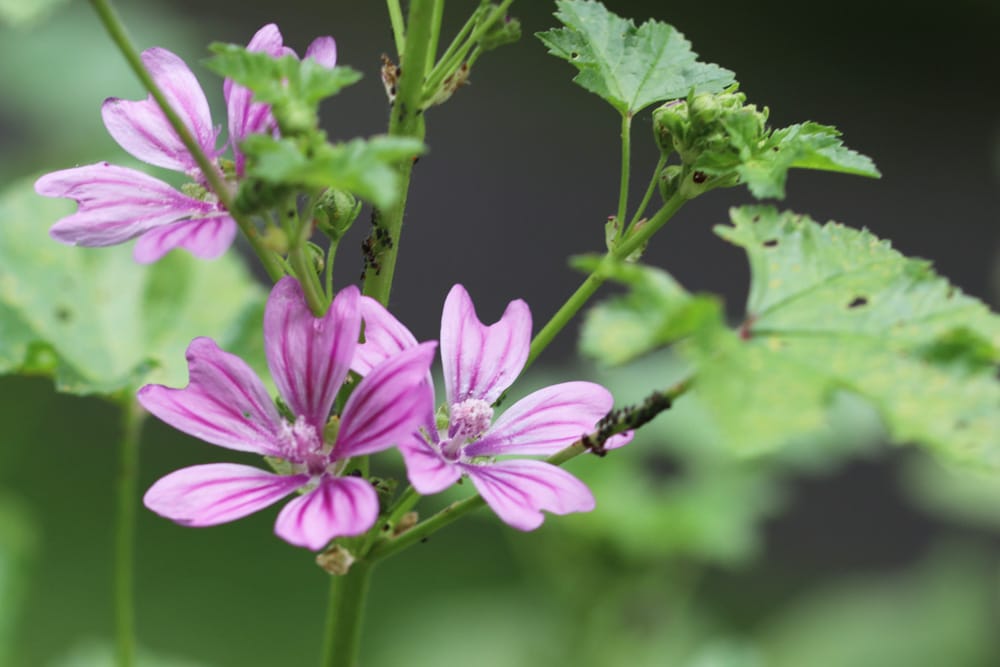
101 654
18 542
25 12
98 322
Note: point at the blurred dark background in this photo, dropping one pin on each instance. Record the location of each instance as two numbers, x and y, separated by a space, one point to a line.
845 552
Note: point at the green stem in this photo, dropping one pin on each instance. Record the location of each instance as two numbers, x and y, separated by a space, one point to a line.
649 194
454 58
398 29
626 170
592 282
344 616
127 492
457 42
116 29
406 120
306 273
432 46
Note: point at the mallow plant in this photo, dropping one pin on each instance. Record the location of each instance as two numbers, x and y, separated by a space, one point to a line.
321 380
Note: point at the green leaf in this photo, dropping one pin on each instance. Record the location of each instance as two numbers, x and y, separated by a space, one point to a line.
833 308
655 312
279 80
18 544
630 67
363 167
96 321
804 146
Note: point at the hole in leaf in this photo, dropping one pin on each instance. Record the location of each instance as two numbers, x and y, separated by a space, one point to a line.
770 243
858 302
574 55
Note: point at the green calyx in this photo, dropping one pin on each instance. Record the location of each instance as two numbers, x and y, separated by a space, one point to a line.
335 212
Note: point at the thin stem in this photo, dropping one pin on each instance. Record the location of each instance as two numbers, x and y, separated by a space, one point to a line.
649 194
306 274
127 492
457 42
116 29
432 46
406 120
452 60
344 616
592 282
626 170
398 29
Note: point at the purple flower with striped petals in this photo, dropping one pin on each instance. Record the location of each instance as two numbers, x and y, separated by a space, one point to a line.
226 404
480 363
117 204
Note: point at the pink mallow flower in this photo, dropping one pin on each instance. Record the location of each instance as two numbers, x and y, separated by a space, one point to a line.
117 204
226 404
480 363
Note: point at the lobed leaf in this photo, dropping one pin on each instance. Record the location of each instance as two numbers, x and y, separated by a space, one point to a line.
365 167
96 321
630 67
281 80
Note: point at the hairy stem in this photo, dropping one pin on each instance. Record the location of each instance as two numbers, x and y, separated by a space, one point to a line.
116 29
127 492
344 616
406 120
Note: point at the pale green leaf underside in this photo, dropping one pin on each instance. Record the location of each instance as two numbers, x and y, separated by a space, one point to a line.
98 322
834 308
25 12
630 67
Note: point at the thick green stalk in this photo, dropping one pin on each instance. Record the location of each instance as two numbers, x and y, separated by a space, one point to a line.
127 492
406 120
345 614
116 29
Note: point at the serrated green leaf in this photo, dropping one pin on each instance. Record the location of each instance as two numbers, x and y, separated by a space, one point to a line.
834 308
365 167
630 67
806 146
96 321
655 312
279 80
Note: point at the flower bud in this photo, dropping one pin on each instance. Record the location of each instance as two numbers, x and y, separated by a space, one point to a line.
502 32
670 179
670 126
335 212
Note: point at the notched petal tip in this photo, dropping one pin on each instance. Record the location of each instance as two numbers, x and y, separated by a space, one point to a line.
338 507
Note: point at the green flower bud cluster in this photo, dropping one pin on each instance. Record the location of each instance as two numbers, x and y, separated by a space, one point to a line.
712 134
502 32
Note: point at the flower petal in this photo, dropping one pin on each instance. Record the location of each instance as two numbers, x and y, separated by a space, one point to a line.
225 403
482 361
324 51
545 421
141 128
206 495
207 238
519 490
244 115
115 204
427 471
309 357
339 506
385 336
620 440
388 406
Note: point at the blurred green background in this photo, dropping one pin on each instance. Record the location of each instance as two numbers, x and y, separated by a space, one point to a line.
838 552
